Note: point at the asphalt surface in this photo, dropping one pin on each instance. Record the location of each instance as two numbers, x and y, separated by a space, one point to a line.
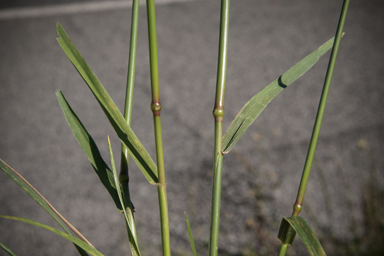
261 174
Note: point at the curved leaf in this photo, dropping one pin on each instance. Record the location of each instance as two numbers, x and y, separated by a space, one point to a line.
306 235
69 237
256 105
122 129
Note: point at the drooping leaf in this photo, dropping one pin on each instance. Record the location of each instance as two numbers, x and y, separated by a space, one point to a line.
129 218
191 240
40 199
91 250
252 109
7 250
90 149
122 129
306 235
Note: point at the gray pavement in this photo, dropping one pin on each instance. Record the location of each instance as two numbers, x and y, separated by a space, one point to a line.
261 174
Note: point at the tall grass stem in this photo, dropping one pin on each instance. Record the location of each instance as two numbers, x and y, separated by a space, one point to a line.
124 162
320 112
298 206
156 109
218 113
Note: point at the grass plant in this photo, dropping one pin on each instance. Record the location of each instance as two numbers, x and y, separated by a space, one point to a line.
118 185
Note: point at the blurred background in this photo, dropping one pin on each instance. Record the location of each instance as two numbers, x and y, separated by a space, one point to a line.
261 175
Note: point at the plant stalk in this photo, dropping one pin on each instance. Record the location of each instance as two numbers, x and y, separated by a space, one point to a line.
124 171
298 206
218 113
156 109
320 112
283 249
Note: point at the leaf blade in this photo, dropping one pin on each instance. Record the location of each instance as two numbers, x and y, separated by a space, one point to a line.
7 250
69 237
300 225
253 108
90 148
40 199
132 241
32 192
191 240
122 129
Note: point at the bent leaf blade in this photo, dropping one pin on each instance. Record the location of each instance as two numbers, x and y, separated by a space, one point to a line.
122 129
306 235
252 109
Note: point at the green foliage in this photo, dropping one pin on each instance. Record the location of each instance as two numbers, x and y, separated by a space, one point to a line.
90 149
287 233
7 250
119 124
155 173
253 108
90 249
191 240
128 217
32 192
306 235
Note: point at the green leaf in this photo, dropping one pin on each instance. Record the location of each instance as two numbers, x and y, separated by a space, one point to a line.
69 237
31 191
306 235
90 149
40 199
7 250
256 105
191 241
129 219
286 233
122 129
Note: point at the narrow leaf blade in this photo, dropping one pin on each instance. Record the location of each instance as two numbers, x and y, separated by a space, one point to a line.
132 242
90 148
22 183
91 250
306 235
191 240
7 250
257 104
122 129
32 192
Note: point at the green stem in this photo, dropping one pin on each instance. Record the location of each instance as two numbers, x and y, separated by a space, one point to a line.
320 112
156 108
298 206
283 249
124 175
218 113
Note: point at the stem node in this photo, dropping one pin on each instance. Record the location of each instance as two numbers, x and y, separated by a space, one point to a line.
156 108
297 208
